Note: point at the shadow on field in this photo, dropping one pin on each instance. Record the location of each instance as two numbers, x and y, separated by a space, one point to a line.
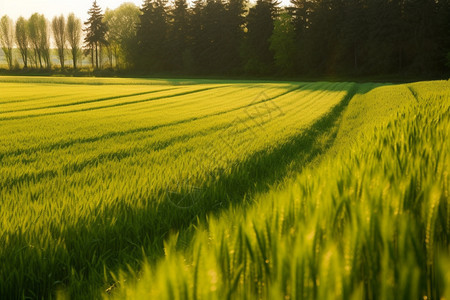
265 168
119 235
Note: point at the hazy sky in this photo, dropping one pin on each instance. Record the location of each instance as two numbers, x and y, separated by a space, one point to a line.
51 8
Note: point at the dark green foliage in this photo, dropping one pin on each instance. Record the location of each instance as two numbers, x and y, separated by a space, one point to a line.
152 36
235 20
205 38
259 57
420 26
95 33
234 37
327 37
179 31
209 53
371 36
121 35
282 43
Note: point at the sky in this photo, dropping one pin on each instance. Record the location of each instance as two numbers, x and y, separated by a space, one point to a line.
50 8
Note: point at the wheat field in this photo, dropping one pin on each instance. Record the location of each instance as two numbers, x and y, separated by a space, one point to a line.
209 189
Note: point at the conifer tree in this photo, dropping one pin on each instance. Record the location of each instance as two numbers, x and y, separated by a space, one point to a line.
152 35
95 33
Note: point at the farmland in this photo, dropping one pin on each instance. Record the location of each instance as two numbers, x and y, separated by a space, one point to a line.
204 189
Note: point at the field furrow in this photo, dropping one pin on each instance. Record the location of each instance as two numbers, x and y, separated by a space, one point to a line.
94 172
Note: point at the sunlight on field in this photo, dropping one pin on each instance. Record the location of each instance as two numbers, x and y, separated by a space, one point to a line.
79 154
97 174
370 221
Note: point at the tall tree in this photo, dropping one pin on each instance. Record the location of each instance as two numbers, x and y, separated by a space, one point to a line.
324 36
214 37
421 28
313 36
179 35
234 22
74 37
44 42
122 23
33 30
95 32
301 19
260 24
152 35
196 29
443 19
282 43
353 35
39 39
383 34
22 39
7 39
59 34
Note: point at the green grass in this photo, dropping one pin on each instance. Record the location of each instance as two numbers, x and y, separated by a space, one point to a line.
274 189
370 220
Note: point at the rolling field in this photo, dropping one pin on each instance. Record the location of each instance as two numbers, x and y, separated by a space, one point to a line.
204 189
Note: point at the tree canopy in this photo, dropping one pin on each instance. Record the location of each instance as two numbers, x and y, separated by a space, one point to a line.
7 38
228 37
73 29
96 31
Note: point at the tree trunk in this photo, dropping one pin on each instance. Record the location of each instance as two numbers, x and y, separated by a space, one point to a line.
61 58
110 55
40 59
100 56
116 57
25 59
74 58
96 55
92 56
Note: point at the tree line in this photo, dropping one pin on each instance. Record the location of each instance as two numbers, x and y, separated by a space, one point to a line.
309 37
107 38
32 39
